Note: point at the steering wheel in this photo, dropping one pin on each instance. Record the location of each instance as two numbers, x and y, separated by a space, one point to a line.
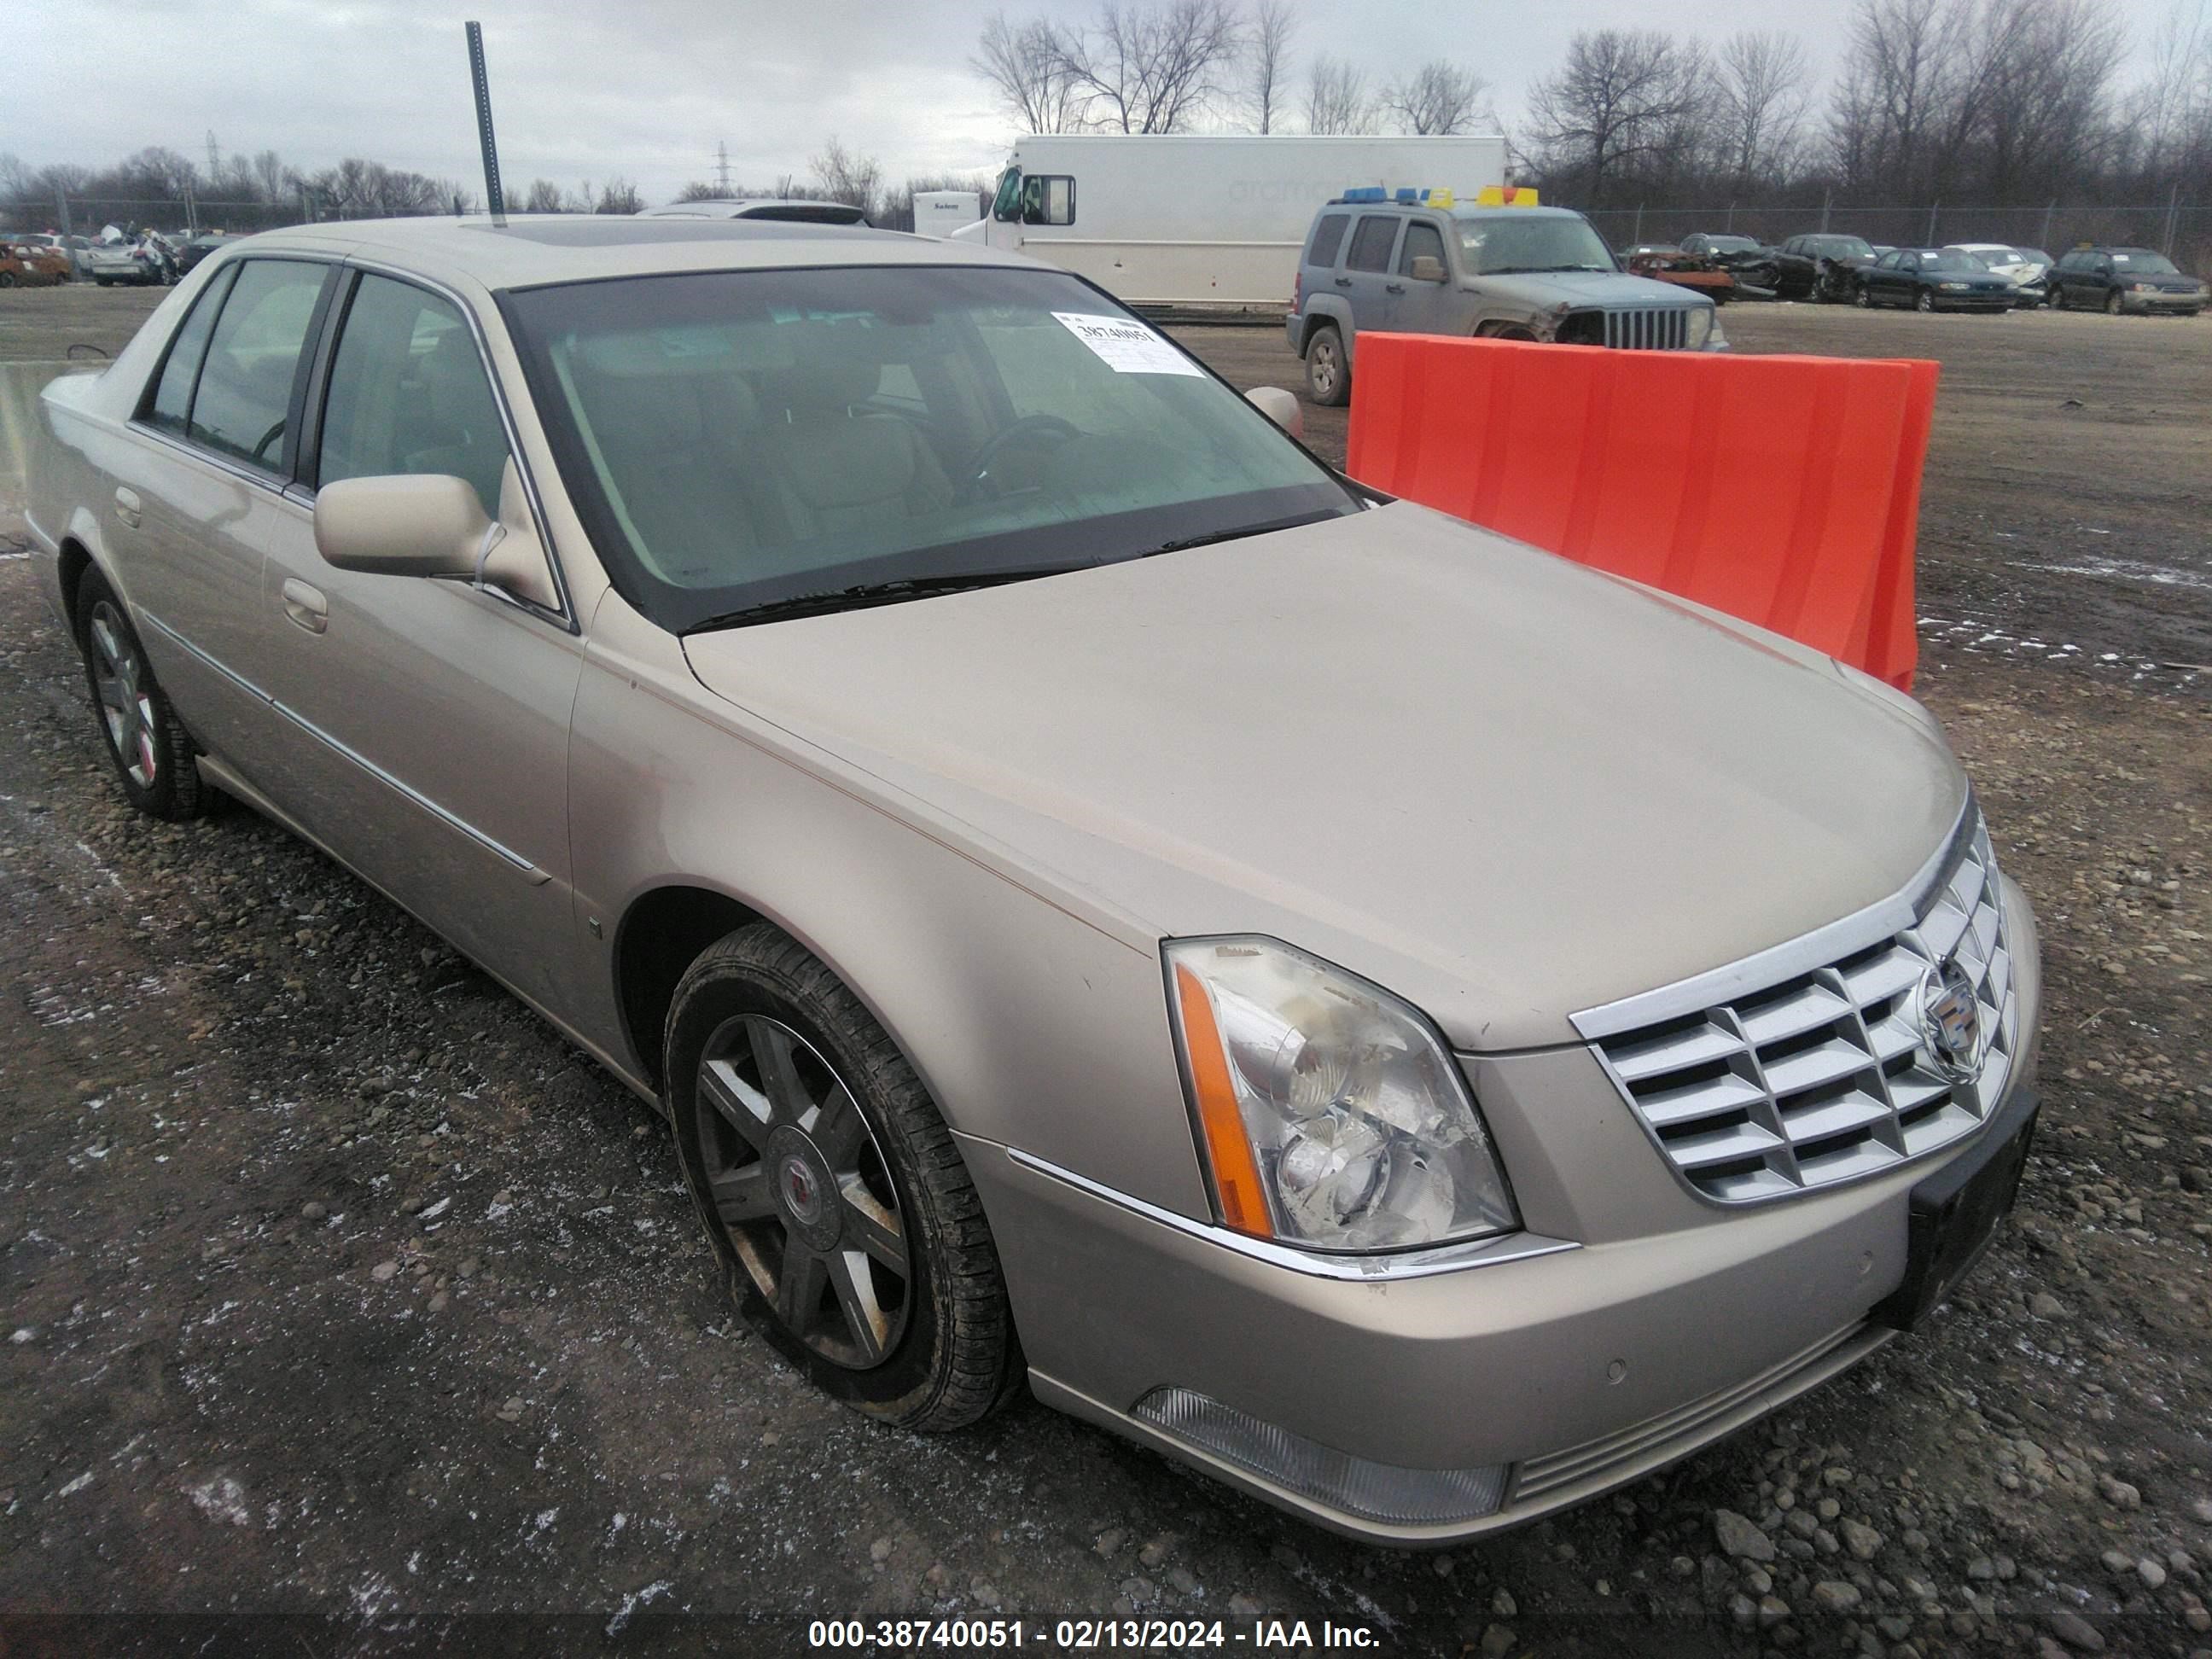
979 471
267 439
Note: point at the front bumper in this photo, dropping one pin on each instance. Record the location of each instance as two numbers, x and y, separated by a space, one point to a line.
1633 1325
2184 305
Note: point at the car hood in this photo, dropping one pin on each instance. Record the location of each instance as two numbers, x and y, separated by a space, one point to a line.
1605 289
1506 787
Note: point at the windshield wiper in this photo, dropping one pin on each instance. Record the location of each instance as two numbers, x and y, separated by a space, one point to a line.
1241 530
862 595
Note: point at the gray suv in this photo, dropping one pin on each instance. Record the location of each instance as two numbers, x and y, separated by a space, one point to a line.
1513 273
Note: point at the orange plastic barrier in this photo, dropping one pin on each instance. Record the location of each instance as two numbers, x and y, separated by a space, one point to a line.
1784 490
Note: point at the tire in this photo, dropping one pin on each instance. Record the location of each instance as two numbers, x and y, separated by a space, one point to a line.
104 282
2114 304
1328 377
1926 303
153 755
7 279
1861 296
850 1238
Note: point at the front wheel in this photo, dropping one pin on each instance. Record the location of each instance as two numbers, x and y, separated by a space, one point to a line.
2114 304
147 743
1328 377
1926 303
1862 296
849 1230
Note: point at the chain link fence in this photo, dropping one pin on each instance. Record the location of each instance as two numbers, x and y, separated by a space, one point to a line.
2184 232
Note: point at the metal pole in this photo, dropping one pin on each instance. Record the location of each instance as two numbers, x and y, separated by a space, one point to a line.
1827 201
1729 222
1932 206
2046 243
2172 196
1636 236
69 236
494 200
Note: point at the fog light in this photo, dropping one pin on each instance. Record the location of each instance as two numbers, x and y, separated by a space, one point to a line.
1373 1491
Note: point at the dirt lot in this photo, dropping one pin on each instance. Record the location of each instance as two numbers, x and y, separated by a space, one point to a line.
340 1290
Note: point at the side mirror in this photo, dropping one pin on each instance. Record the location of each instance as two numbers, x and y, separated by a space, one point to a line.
1280 406
406 524
1427 268
433 524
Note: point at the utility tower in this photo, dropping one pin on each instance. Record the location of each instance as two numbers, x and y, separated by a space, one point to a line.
722 167
215 157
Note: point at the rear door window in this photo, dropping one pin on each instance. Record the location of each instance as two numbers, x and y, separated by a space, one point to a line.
1372 242
1328 239
243 405
171 406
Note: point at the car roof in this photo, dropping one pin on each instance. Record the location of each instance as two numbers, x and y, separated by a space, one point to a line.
1474 212
749 207
532 250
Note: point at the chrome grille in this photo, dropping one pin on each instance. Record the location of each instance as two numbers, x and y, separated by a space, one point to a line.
1665 330
1828 1075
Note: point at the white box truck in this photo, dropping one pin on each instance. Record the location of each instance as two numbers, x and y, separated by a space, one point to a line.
941 212
1202 219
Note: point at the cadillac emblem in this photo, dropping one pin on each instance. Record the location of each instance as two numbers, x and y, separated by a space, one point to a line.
1951 1022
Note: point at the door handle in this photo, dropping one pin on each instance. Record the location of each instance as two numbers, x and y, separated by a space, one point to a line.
1343 282
128 507
1394 287
306 605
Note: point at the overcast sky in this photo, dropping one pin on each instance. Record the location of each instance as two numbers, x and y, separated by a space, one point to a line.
645 88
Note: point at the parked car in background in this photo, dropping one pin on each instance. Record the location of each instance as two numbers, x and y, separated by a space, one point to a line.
1753 264
1663 262
790 210
145 260
1820 265
1931 279
198 248
1511 273
847 683
31 265
2123 279
2025 268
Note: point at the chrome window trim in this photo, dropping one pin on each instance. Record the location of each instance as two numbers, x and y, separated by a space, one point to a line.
566 615
1358 1269
1836 939
522 866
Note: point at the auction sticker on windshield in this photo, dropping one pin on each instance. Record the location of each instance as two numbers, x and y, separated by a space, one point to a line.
1125 346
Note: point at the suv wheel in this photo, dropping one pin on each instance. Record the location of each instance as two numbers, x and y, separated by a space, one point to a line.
1861 296
1328 378
2114 303
849 1230
1926 301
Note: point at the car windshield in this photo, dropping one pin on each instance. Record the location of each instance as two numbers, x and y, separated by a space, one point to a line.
1732 244
2031 256
739 439
2140 262
1499 246
1839 247
1959 263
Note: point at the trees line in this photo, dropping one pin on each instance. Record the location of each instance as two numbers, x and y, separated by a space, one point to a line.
2005 101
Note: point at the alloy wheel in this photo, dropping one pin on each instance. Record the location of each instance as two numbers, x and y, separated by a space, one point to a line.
801 1189
1324 367
126 707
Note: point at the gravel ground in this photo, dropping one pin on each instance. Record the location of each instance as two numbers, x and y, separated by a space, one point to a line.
340 1290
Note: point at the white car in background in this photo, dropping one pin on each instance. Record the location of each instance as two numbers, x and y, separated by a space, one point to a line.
2026 268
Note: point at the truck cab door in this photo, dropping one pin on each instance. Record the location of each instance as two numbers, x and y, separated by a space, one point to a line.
1425 294
1368 274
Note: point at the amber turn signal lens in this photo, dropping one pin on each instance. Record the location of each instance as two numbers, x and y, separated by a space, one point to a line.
1235 1176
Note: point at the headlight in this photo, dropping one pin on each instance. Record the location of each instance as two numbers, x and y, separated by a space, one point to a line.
1331 1114
1701 327
1954 287
2146 288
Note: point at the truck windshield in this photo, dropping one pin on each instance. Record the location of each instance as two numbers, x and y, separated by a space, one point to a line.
1499 246
752 441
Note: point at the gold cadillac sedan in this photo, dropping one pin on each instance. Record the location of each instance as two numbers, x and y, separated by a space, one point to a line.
1420 1030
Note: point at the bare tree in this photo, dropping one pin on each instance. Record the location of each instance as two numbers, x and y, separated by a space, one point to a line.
1897 81
544 195
1765 89
842 176
1026 66
1267 60
619 196
699 191
1439 97
1625 100
1337 98
1154 67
